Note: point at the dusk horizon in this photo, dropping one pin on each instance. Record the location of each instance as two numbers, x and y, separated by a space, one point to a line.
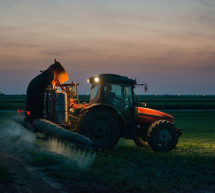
168 45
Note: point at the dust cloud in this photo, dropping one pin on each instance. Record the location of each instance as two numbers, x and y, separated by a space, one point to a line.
82 157
15 139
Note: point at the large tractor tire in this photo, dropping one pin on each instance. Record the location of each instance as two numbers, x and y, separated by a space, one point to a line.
101 126
162 136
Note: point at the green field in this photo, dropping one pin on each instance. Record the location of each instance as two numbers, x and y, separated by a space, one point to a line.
128 168
188 168
178 102
13 102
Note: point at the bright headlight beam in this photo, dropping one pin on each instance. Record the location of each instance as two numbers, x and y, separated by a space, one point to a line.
96 79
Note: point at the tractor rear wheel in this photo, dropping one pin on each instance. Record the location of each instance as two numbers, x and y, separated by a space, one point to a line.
101 126
162 136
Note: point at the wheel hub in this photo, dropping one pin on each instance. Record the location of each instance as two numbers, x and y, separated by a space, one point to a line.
101 128
163 136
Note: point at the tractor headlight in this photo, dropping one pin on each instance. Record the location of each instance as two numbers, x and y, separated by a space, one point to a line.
93 80
96 79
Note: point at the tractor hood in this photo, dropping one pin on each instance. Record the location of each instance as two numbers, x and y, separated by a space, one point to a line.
149 116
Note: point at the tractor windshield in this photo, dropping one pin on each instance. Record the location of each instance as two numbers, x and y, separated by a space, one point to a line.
119 95
116 94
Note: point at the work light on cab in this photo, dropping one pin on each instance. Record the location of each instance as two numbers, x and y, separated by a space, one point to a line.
96 79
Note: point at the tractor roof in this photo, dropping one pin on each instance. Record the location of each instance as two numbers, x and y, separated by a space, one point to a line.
114 78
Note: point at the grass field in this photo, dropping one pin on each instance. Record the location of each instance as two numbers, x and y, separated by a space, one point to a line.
178 102
13 102
189 168
127 168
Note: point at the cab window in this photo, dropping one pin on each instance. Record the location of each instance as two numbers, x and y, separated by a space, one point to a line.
94 95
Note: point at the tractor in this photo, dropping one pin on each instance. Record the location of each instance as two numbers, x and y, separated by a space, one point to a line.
112 112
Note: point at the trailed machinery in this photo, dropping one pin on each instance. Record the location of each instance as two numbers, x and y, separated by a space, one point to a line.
112 113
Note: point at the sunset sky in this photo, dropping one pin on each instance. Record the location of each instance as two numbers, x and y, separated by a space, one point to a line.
168 44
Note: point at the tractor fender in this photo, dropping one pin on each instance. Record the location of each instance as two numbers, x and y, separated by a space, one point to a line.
110 108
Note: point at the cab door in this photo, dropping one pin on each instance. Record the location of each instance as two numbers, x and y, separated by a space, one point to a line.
129 107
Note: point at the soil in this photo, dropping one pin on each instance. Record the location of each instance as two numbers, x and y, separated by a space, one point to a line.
26 179
29 179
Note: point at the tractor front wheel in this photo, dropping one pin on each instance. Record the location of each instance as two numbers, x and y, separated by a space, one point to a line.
101 126
162 136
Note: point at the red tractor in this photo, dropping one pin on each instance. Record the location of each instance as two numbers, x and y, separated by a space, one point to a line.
112 112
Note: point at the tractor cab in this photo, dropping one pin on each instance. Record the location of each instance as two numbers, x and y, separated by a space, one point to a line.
115 91
112 89
112 96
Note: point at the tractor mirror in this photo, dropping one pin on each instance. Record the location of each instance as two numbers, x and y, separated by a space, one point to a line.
145 87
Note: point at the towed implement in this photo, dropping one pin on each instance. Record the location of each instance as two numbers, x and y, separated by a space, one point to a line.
54 121
53 107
